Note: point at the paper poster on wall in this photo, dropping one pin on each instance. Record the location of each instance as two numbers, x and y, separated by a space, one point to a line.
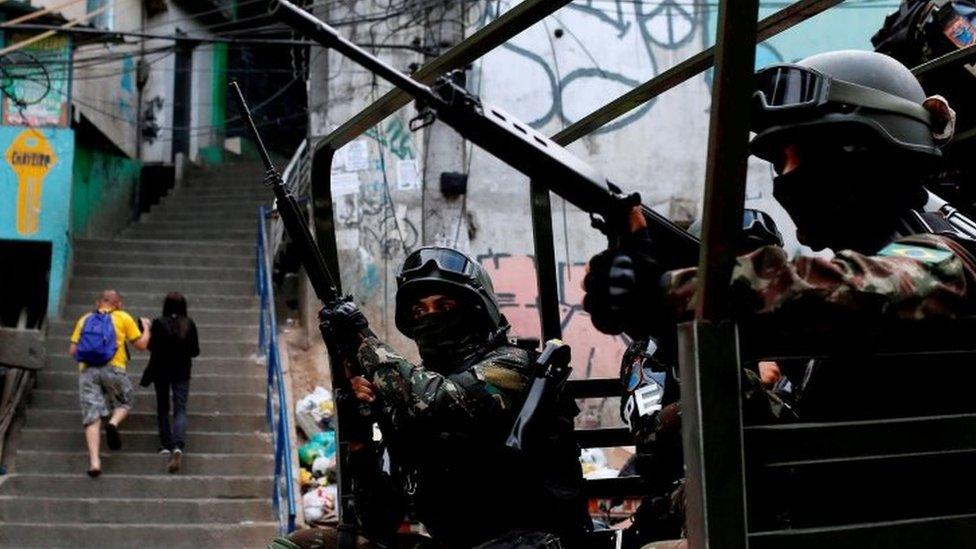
345 183
36 82
357 155
339 160
346 209
407 178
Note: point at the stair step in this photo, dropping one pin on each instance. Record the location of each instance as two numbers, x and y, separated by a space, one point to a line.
245 261
209 421
246 192
83 535
165 246
201 316
198 401
168 222
147 464
61 440
195 236
256 382
59 510
162 270
63 328
138 486
161 286
238 304
215 203
190 211
59 361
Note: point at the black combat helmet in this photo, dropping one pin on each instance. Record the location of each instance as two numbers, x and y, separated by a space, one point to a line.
437 270
846 97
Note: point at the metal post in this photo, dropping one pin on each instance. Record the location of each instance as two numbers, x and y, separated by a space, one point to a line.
545 262
712 424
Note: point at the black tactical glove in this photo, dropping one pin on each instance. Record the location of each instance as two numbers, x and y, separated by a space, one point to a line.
622 288
342 323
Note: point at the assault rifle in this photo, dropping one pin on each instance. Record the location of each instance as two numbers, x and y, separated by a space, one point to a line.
324 285
512 141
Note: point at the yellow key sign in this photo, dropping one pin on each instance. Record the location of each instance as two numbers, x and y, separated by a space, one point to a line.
31 158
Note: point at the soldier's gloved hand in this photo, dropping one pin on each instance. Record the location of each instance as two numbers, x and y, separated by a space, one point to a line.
343 323
621 288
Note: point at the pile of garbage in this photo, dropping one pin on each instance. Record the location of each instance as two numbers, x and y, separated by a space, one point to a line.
317 457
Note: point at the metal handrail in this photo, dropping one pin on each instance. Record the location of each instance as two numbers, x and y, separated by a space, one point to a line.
277 403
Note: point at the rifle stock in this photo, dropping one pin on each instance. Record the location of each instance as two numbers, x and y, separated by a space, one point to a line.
513 142
325 288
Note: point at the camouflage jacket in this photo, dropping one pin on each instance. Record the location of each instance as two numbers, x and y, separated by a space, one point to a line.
446 437
413 396
913 278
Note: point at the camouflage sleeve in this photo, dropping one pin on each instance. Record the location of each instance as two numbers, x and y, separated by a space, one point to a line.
415 393
918 277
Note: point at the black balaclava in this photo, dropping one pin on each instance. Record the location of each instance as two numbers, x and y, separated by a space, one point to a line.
847 199
449 340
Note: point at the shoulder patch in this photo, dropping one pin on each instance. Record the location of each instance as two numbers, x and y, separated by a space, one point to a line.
500 376
919 253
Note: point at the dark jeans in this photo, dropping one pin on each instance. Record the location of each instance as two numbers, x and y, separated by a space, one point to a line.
171 438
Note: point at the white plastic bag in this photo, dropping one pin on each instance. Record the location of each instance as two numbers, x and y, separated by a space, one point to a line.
319 503
311 410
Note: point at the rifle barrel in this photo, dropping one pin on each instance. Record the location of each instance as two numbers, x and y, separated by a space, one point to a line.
510 140
291 214
310 26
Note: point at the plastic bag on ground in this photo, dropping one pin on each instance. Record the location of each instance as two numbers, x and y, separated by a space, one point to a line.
313 410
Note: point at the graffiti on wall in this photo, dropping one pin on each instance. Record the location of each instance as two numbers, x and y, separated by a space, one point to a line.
595 354
395 138
572 73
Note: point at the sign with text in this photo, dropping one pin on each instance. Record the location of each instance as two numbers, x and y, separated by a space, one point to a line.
36 82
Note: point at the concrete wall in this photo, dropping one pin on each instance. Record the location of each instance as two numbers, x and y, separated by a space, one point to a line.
105 90
158 93
550 76
102 192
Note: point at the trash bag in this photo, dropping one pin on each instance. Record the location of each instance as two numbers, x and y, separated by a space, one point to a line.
314 411
319 503
309 452
328 440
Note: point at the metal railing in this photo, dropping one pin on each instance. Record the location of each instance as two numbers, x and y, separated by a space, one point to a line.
277 403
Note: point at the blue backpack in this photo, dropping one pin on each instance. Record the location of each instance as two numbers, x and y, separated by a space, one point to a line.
97 344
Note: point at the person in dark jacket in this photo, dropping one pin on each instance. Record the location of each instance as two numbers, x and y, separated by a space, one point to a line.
173 348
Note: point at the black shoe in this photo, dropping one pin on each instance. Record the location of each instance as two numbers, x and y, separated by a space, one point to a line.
112 437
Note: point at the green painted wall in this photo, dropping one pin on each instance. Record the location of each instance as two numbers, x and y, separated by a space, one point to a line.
103 190
214 154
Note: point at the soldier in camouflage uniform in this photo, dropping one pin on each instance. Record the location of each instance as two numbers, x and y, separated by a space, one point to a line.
651 409
445 421
851 142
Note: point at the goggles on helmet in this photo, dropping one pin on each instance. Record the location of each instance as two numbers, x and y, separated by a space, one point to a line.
788 91
446 260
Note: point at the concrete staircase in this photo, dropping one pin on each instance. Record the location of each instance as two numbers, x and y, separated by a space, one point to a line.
200 241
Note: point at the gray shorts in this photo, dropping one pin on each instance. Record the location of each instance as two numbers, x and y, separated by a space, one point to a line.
101 390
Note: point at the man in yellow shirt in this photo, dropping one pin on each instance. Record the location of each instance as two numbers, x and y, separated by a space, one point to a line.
106 390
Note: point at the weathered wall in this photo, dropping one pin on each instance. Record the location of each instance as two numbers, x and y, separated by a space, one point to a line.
102 192
104 77
157 96
550 76
35 195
